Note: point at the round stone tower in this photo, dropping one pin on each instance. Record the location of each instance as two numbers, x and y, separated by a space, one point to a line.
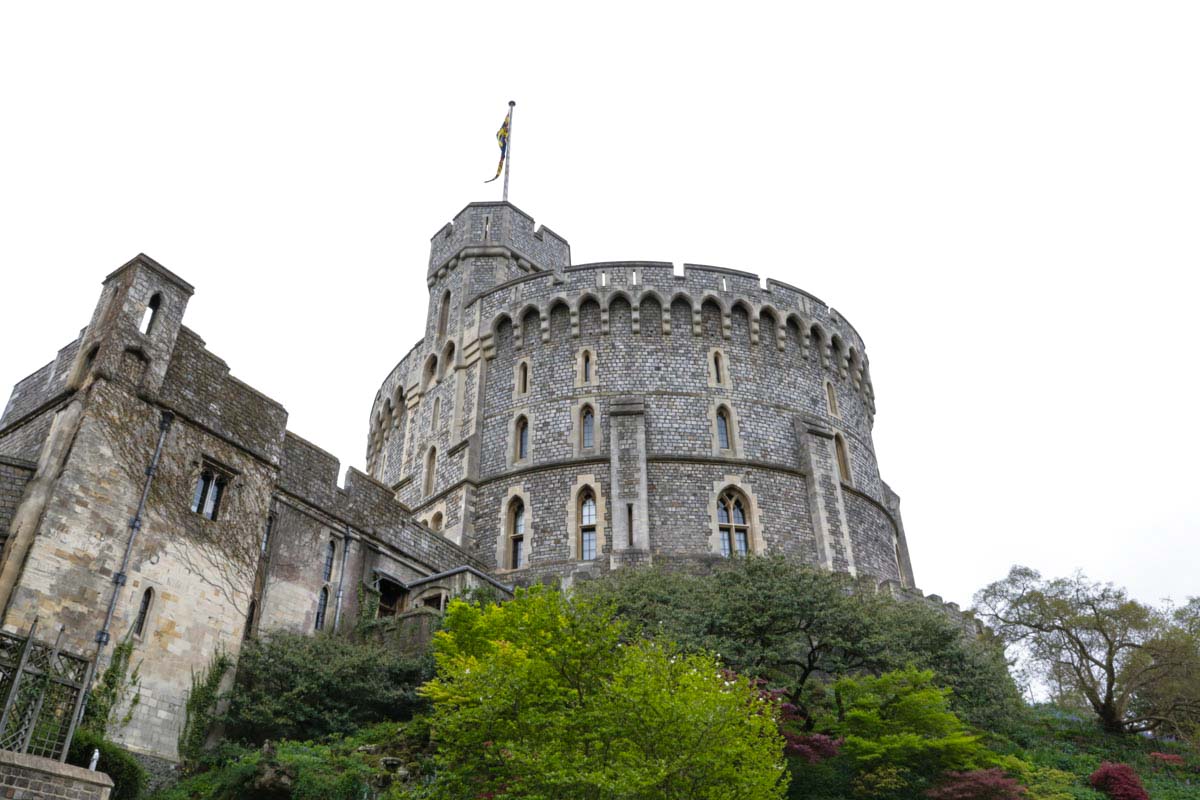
562 420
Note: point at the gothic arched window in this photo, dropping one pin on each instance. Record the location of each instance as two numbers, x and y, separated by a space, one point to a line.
831 399
516 533
443 314
521 440
723 438
586 368
843 459
523 378
430 469
587 428
732 523
587 525
322 605
330 553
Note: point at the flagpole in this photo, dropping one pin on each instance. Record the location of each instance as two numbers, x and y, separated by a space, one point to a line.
508 155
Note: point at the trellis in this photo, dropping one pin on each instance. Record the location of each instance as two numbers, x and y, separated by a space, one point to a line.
43 689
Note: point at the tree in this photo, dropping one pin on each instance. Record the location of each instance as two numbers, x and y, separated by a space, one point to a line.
901 734
292 686
1127 662
539 697
789 624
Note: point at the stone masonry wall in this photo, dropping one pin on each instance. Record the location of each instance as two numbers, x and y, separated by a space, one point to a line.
25 777
14 474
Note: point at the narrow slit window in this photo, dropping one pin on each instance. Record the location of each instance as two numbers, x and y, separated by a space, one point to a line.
587 366
330 554
150 315
587 526
430 470
723 429
437 412
724 285
523 378
516 524
629 523
633 277
843 459
717 368
522 439
443 314
587 426
603 278
322 605
139 625
831 399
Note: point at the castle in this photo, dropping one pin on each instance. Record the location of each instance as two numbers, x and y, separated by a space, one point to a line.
555 422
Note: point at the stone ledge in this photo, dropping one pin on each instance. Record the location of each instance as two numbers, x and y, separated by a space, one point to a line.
23 761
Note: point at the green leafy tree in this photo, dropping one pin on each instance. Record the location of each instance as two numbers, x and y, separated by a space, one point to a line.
540 698
900 733
291 686
1127 662
794 626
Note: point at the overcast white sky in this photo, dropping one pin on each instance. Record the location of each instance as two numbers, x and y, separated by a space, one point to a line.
1002 197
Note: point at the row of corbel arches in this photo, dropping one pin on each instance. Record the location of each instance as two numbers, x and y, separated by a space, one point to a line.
765 322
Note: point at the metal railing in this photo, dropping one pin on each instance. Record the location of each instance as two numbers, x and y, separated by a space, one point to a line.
43 689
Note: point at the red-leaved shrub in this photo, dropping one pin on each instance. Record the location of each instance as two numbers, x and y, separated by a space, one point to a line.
1167 759
980 784
1119 782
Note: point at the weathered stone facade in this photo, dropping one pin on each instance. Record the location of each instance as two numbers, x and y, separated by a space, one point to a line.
555 422
90 509
698 383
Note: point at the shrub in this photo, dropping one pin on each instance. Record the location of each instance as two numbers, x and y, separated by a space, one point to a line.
291 686
128 776
1119 782
980 784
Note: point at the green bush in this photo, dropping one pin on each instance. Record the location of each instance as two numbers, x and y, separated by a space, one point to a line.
129 779
290 686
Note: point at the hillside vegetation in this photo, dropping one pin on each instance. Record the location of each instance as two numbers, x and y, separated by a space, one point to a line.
762 679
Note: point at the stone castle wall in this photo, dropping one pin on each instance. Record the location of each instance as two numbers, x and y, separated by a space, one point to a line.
651 335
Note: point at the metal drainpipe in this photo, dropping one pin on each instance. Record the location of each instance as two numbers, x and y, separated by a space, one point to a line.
135 525
337 609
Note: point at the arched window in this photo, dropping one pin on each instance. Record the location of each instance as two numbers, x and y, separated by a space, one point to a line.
330 554
430 469
437 412
322 604
246 631
521 439
731 522
139 625
431 372
718 376
587 428
723 440
587 366
151 314
843 458
587 525
516 533
831 399
443 314
523 378
435 522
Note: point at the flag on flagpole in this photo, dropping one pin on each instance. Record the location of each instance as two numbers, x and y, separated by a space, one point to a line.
502 139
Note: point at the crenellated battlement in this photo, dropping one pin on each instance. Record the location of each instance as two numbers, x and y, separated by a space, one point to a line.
497 229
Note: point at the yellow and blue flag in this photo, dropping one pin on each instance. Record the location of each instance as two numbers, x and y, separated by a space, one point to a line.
502 139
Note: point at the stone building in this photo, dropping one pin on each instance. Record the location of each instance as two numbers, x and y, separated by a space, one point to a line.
560 420
140 481
556 421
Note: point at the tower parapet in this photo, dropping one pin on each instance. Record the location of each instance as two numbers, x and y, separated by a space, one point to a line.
562 420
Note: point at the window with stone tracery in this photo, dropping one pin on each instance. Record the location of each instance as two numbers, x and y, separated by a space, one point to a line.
732 523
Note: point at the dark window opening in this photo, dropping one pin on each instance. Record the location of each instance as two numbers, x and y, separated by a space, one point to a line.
391 598
629 521
210 491
330 553
249 629
322 604
139 625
